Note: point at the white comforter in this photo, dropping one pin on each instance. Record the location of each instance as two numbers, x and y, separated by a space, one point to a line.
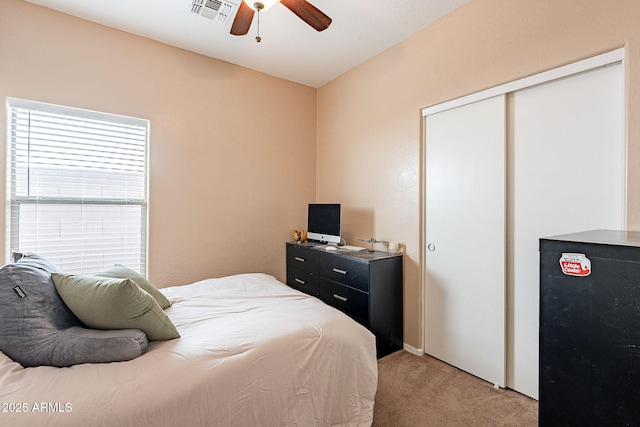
252 352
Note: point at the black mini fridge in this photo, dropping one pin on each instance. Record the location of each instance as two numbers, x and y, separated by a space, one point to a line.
590 329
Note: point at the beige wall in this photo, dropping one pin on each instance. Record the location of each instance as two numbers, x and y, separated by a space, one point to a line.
369 121
227 143
232 151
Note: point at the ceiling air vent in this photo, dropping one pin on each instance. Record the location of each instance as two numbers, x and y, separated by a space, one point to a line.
217 10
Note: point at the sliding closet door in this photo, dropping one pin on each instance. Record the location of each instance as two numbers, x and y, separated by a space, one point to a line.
465 236
567 174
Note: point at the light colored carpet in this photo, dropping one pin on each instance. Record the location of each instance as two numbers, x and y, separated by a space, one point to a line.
424 391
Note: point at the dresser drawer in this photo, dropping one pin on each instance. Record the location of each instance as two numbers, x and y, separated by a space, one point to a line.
302 280
350 301
302 258
347 271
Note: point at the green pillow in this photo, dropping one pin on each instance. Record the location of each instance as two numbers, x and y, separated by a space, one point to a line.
119 271
105 303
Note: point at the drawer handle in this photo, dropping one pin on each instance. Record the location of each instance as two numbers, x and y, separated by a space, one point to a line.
299 259
341 298
302 282
337 270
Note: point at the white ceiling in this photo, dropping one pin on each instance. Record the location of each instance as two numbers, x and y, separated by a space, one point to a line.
289 49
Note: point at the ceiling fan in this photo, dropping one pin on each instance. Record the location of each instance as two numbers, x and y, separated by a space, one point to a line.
305 11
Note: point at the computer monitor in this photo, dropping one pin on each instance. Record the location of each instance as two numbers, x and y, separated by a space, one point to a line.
324 222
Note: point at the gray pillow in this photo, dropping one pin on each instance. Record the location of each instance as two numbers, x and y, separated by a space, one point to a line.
105 303
37 328
119 271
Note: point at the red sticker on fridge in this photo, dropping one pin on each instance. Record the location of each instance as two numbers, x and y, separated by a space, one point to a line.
575 264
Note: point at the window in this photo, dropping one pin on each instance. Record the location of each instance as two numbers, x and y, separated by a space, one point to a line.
77 186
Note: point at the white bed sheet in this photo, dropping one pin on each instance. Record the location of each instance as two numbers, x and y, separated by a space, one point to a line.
252 352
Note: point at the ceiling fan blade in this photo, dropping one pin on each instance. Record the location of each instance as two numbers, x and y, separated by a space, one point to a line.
308 13
242 21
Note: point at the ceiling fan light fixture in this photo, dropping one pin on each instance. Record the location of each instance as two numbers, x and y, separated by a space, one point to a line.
302 8
260 5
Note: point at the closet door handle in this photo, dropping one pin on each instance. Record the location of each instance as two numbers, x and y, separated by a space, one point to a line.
340 297
337 270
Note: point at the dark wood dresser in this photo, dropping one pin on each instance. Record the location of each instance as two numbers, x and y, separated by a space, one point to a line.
367 286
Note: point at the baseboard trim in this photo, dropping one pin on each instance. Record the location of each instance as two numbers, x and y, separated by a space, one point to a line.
413 350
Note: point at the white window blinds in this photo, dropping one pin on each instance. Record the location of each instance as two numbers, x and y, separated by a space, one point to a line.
78 186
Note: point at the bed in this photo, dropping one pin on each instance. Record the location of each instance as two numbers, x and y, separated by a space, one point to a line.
251 352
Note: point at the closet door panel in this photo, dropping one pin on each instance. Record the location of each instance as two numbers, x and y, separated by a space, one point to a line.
465 238
566 175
